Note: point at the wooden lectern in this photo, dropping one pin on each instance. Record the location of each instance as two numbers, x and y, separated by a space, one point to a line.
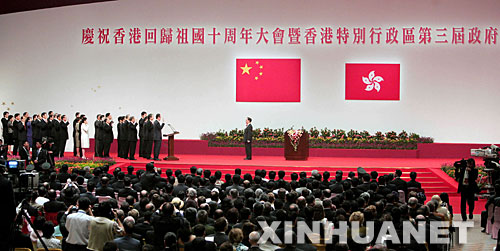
302 152
170 137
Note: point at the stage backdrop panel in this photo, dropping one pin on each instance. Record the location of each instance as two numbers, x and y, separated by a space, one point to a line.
448 84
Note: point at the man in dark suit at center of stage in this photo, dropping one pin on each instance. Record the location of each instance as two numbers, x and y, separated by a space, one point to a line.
63 135
132 138
157 136
141 133
107 136
247 137
148 136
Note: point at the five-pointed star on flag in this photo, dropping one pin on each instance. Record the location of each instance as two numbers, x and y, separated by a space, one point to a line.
246 69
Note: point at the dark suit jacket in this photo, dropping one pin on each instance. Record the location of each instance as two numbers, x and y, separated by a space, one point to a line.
119 129
4 127
15 128
54 206
105 191
459 174
56 127
248 133
36 129
413 183
107 133
42 157
219 238
148 130
97 129
44 128
157 130
22 133
132 132
401 184
141 127
149 180
24 154
63 130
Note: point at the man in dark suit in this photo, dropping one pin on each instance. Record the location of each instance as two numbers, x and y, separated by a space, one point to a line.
107 138
77 117
105 190
22 133
220 227
56 127
125 130
43 125
119 137
24 152
466 175
98 136
63 134
5 127
132 138
15 135
35 127
148 134
39 156
247 137
413 181
141 133
157 136
150 178
400 183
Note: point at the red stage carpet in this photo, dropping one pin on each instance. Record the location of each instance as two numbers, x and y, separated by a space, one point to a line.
433 180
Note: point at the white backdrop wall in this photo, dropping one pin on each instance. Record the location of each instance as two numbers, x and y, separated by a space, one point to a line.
449 92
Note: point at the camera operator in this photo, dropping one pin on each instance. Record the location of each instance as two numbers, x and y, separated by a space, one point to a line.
466 175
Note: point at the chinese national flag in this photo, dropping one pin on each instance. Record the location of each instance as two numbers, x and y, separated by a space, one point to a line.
372 81
267 80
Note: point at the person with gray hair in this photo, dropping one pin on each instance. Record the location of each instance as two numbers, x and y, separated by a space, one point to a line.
253 238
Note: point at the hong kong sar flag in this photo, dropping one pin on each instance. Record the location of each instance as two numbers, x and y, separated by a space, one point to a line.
267 80
372 81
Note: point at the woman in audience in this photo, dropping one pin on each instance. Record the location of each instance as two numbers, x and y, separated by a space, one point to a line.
48 238
236 238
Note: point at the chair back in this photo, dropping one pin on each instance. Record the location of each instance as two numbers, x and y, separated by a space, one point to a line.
490 211
497 215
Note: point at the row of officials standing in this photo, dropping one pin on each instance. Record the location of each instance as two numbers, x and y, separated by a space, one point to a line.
150 135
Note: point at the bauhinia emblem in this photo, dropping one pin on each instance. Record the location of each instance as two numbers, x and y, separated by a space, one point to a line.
372 82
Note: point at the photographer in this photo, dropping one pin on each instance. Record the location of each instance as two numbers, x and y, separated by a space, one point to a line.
77 223
466 175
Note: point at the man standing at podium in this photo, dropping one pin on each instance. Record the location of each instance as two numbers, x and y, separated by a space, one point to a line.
157 136
247 137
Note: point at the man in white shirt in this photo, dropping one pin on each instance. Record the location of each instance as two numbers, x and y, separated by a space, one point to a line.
77 225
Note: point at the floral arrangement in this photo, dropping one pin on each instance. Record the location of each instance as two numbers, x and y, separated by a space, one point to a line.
80 163
295 136
482 176
324 138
